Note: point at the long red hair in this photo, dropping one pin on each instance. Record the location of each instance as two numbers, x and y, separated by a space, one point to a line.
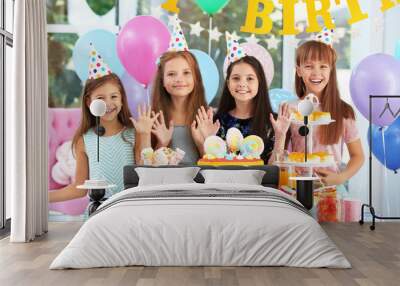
162 99
330 99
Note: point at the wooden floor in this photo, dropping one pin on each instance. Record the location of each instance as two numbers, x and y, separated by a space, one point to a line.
374 255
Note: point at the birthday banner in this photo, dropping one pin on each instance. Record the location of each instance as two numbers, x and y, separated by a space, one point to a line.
289 11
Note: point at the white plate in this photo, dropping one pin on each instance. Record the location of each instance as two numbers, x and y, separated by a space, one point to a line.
313 123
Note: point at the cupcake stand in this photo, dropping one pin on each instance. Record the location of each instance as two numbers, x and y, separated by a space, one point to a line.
304 184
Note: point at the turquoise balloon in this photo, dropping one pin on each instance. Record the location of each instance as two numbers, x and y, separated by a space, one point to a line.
209 73
397 50
279 95
211 6
105 43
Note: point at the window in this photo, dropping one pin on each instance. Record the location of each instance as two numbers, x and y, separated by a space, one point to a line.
6 43
9 19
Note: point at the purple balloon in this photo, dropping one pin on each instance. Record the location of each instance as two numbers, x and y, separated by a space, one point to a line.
136 93
141 41
378 74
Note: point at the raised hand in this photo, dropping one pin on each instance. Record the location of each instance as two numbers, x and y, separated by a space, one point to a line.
282 123
205 122
162 133
145 121
196 133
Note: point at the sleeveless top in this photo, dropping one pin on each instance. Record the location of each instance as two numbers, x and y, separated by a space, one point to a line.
182 139
115 152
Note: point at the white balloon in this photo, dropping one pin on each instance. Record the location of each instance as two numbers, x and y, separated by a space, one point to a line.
98 107
305 107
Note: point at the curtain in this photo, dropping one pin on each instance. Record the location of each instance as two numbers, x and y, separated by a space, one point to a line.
26 119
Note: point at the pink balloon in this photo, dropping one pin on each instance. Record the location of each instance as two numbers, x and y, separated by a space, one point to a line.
141 41
262 55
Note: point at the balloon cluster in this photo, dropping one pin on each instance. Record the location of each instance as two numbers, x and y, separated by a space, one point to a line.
379 75
133 56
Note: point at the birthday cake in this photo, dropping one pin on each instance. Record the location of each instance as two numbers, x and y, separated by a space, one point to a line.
236 151
234 161
317 157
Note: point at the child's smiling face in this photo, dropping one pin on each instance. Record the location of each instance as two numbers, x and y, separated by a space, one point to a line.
243 82
178 77
315 75
111 95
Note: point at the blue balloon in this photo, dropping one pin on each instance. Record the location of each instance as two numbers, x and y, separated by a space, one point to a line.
209 73
279 95
105 43
397 50
391 152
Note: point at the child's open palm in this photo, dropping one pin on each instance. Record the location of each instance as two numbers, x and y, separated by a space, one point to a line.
196 134
282 123
160 130
205 122
145 120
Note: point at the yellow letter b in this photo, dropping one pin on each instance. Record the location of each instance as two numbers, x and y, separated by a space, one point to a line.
253 14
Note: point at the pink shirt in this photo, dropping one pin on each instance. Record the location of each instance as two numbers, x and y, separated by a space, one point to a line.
350 134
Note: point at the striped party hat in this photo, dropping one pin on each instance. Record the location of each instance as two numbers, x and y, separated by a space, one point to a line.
177 42
97 67
325 36
234 50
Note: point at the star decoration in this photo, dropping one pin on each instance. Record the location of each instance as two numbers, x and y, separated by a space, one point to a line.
196 29
276 15
157 12
272 42
235 35
252 39
146 10
172 19
215 34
